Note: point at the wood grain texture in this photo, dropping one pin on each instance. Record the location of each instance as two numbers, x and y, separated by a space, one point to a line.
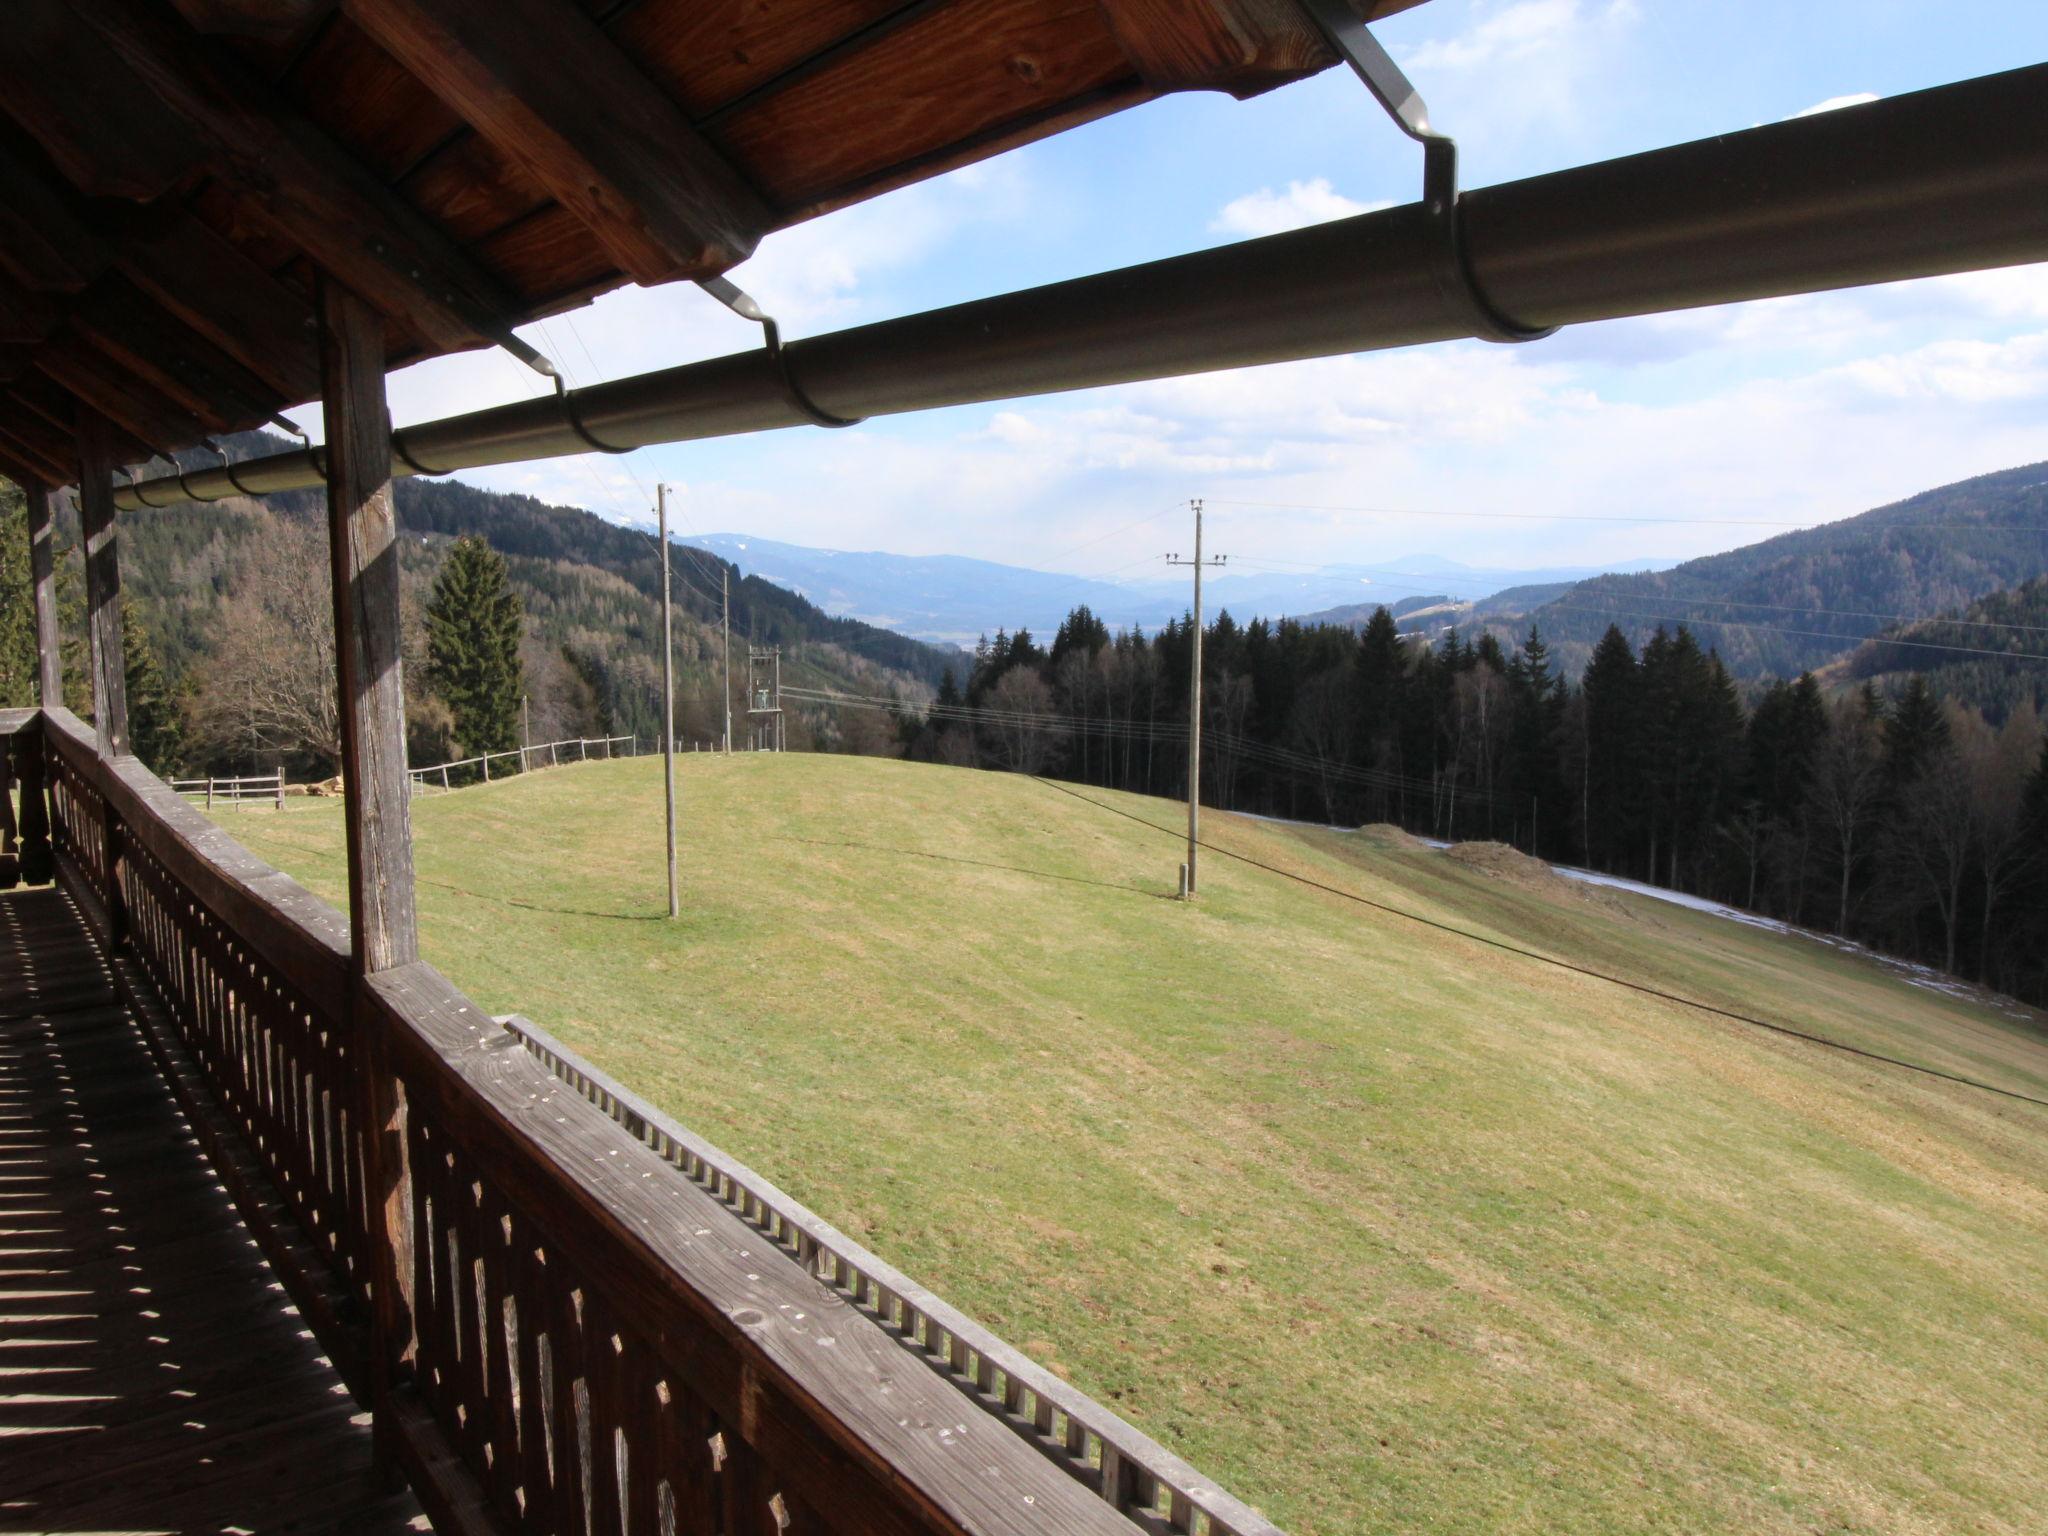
102 585
815 1389
952 75
544 84
1240 46
104 388
213 286
193 1399
362 532
87 106
290 174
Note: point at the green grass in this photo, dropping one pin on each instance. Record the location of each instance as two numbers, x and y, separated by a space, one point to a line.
1384 1229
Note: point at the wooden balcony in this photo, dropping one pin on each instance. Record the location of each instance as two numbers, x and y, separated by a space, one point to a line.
568 1313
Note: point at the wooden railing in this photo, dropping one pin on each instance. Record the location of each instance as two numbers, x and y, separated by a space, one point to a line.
583 1342
263 788
1095 1446
423 778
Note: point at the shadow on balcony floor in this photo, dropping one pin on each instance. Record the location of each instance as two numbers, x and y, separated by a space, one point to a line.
153 1375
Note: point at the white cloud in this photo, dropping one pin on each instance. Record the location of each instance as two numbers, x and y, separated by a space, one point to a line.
1266 212
1836 103
1507 35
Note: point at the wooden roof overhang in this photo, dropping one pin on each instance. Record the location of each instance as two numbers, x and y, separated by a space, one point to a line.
177 172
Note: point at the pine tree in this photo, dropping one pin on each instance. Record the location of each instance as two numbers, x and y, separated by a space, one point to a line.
156 714
1612 688
473 628
1915 735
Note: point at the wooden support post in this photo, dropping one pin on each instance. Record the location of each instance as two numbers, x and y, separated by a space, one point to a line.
42 565
10 856
362 529
102 582
38 863
103 634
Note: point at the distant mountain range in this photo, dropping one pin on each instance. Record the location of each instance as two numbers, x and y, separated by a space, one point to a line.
951 599
1800 600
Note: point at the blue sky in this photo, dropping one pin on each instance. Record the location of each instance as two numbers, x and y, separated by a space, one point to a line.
1791 411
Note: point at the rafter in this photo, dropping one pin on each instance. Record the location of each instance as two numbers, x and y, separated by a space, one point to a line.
1240 46
43 245
131 330
104 386
291 177
68 87
544 84
211 286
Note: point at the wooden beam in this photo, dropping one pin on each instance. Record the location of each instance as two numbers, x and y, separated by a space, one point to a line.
278 22
25 315
107 389
88 109
33 443
291 177
127 327
42 567
1240 46
363 539
543 83
43 245
362 536
209 284
102 584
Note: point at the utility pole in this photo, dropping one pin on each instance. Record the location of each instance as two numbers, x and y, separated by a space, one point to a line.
668 694
1195 701
725 626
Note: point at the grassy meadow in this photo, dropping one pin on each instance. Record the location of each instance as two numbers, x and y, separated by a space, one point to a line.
1385 1229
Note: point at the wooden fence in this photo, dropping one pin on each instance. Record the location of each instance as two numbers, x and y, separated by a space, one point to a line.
582 1342
529 758
262 788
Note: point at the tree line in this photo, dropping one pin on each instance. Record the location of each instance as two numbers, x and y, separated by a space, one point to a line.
1897 819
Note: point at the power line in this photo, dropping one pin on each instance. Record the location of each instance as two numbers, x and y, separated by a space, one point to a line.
1565 965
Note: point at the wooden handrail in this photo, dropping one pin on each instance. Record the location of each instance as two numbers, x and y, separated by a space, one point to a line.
597 1344
1144 1478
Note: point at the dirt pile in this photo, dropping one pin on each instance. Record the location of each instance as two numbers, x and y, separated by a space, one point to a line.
1497 861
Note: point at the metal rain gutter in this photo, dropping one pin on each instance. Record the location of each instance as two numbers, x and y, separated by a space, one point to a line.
1945 180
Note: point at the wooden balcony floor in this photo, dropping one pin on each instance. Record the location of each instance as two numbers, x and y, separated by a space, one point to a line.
153 1375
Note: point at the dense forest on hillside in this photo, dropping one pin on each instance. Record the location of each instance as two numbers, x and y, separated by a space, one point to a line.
227 617
1905 821
1791 603
1951 653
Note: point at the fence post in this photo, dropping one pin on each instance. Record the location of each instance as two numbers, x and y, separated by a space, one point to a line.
554 758
582 750
444 775
487 767
280 786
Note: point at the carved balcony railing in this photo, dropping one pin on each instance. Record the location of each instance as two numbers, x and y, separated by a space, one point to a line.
605 1326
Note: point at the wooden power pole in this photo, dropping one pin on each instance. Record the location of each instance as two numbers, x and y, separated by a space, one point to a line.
668 695
1195 700
725 627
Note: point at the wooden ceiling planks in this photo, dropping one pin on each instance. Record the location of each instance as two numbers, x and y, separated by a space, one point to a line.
468 164
543 83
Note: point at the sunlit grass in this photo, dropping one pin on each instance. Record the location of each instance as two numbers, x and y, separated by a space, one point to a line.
1385 1229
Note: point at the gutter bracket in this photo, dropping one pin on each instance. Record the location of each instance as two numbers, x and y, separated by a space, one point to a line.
743 304
1352 41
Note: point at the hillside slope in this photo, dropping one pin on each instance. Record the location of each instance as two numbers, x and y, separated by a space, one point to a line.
1790 603
1382 1227
2012 623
